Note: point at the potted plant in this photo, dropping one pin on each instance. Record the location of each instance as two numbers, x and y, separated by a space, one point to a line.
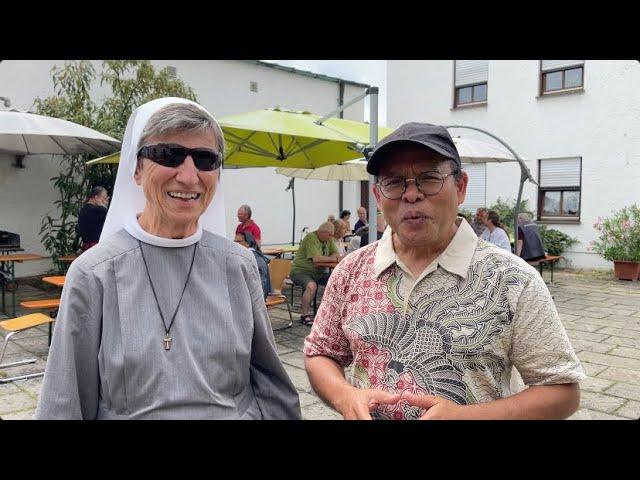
619 241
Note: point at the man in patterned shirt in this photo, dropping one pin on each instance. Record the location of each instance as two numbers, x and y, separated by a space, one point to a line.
432 318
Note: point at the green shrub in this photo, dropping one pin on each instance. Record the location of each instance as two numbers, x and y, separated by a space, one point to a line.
555 242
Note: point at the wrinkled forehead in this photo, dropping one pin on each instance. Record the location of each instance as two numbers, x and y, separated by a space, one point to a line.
412 159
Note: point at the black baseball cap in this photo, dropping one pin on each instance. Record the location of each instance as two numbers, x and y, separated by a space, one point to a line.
434 137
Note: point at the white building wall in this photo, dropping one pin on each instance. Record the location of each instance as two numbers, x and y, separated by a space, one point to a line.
223 88
600 124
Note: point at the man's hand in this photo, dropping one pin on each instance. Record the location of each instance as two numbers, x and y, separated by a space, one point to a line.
358 403
437 408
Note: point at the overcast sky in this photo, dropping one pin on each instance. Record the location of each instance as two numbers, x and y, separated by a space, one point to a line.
371 72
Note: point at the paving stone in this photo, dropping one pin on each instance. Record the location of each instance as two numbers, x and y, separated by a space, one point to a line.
295 359
307 399
625 352
594 384
319 411
592 369
6 388
23 415
620 310
600 402
31 386
610 360
15 402
592 337
580 345
625 390
299 378
582 326
586 414
620 375
620 332
624 341
631 409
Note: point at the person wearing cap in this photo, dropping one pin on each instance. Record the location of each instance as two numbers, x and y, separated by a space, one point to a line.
164 319
432 319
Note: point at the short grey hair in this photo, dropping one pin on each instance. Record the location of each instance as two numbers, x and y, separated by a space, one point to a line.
247 209
95 192
326 227
179 118
524 217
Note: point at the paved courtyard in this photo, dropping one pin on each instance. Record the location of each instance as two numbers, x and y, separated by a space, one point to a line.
601 315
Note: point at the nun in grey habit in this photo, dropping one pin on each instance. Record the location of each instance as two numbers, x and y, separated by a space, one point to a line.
165 318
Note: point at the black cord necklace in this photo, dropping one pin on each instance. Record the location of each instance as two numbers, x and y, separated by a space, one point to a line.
167 339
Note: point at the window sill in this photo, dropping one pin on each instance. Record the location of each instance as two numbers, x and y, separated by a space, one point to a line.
558 220
469 105
566 91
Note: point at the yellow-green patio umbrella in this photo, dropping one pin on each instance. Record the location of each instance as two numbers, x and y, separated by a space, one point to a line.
283 138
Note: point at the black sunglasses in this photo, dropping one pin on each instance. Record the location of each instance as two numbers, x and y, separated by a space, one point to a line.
170 155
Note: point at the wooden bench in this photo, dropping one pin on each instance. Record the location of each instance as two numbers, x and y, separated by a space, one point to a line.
17 325
50 304
548 259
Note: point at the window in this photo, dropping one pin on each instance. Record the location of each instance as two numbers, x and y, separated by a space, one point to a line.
559 189
476 188
561 75
470 81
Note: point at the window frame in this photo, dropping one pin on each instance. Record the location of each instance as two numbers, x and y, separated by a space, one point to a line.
563 70
559 218
472 85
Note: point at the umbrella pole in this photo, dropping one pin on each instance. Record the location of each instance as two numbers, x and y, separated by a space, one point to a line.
293 197
373 139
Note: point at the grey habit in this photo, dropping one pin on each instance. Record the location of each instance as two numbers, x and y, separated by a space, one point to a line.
107 359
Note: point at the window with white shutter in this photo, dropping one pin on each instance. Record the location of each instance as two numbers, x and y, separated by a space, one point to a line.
470 81
561 75
559 188
476 188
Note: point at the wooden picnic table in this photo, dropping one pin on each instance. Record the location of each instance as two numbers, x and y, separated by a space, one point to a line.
279 250
7 267
58 280
331 264
69 258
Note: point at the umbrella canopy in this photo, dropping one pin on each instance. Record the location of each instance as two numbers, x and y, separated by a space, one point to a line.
479 151
23 133
282 138
353 170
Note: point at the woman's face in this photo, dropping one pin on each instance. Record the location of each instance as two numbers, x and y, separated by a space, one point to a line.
178 196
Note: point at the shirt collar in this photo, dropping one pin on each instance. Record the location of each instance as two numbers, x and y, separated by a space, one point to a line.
456 258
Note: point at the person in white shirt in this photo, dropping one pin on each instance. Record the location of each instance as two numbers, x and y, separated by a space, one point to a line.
494 233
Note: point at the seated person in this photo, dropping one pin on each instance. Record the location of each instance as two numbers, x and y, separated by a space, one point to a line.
479 218
494 233
247 224
362 234
345 215
362 219
92 216
529 246
247 240
339 231
315 247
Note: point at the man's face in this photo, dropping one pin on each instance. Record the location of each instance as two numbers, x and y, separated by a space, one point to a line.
178 195
481 216
243 215
362 214
324 236
419 220
103 199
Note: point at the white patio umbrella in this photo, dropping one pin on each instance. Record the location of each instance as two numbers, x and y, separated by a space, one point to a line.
353 170
479 151
23 133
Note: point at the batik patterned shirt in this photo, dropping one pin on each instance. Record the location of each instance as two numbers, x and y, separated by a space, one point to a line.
456 331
